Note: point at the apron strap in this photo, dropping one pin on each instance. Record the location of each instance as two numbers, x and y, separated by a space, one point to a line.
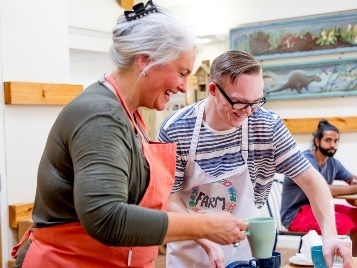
135 123
15 249
196 130
245 140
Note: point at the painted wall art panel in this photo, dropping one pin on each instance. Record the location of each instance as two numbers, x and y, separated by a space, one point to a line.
314 35
311 80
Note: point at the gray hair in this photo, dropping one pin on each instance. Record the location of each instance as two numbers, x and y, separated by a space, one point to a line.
159 35
232 64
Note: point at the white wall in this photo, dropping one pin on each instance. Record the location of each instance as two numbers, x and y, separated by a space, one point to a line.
88 66
217 17
3 186
35 47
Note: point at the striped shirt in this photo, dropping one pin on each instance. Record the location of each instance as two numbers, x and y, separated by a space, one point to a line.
272 149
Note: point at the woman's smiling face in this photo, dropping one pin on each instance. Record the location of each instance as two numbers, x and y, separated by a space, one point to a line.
163 81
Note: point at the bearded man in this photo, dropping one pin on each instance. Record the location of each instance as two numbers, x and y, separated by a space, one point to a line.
296 212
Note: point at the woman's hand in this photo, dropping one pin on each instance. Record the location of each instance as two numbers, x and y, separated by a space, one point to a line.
221 227
225 229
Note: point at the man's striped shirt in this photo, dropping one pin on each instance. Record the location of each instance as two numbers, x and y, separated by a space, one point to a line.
272 149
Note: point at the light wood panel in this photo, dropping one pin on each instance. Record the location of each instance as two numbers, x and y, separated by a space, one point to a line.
18 212
40 93
309 125
126 4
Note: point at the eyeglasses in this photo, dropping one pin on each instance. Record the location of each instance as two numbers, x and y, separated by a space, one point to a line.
239 105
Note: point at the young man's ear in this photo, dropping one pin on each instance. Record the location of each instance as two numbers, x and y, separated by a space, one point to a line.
212 88
316 142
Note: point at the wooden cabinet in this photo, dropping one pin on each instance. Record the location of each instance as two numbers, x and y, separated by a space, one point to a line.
192 89
203 78
149 117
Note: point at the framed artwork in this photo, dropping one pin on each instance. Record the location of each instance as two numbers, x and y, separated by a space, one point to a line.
311 80
303 36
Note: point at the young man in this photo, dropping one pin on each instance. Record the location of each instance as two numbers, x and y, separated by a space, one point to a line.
296 211
228 151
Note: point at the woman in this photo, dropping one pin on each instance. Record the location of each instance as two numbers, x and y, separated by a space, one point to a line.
102 186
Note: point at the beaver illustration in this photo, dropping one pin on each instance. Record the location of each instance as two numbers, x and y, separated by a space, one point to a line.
298 82
259 43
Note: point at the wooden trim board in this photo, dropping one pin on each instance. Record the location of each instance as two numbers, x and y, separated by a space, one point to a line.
18 212
309 125
40 93
126 4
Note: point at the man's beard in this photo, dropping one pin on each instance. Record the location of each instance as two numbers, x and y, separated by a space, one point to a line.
326 152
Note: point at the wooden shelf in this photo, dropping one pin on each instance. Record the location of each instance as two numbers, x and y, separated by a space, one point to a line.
40 93
309 125
126 4
18 212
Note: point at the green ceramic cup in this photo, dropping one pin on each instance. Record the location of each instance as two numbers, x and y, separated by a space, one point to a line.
261 235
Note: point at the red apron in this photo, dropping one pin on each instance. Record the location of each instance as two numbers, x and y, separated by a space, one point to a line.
69 246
